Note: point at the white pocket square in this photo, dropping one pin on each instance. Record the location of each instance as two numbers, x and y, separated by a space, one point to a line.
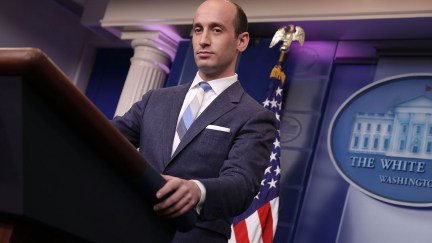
218 128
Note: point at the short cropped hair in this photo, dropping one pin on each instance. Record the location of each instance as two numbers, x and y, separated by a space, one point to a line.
240 21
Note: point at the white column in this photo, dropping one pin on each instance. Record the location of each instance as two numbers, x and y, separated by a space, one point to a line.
153 53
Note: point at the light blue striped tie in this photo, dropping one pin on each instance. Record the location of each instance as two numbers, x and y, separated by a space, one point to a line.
191 112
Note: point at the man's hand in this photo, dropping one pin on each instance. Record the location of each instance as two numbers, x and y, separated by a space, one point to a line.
179 196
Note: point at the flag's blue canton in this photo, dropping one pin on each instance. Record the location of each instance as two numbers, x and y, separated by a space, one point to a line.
270 183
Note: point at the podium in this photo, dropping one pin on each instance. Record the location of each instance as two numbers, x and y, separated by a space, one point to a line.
66 174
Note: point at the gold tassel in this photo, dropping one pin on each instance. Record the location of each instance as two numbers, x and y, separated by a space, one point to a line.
278 74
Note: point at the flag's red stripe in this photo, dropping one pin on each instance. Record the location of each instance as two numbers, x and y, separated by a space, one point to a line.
266 219
241 232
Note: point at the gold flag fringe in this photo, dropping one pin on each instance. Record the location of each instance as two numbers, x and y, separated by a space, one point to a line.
278 73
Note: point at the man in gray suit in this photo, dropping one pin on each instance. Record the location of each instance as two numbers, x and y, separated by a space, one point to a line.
215 166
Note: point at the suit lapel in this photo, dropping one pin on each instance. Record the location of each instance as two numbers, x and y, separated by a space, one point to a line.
225 102
172 115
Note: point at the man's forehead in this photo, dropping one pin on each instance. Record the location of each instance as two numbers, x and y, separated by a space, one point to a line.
216 6
216 12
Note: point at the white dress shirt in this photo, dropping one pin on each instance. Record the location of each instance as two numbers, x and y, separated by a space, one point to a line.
218 86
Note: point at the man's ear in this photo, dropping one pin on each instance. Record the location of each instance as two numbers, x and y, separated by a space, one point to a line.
242 41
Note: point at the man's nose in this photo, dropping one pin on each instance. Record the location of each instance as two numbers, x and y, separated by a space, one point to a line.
205 38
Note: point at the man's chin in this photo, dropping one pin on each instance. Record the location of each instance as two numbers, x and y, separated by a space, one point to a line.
207 72
205 68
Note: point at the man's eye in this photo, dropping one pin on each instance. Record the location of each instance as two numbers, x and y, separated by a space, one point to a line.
217 30
197 30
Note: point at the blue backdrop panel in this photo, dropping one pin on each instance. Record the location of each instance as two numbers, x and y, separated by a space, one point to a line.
183 68
308 70
254 67
325 194
107 78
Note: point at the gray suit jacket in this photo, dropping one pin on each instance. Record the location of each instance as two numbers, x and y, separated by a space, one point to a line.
229 164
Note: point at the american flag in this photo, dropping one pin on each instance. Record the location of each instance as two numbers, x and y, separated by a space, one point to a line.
258 223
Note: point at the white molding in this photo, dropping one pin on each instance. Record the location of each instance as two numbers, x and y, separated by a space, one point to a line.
138 13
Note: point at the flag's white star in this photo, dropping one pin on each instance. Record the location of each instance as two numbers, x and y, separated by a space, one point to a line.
278 170
272 183
266 103
274 103
277 116
268 170
276 143
273 156
257 195
262 182
279 91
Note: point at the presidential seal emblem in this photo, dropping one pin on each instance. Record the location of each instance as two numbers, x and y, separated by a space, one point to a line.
380 140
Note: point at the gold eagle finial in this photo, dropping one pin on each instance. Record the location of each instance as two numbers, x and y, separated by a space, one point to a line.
287 36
